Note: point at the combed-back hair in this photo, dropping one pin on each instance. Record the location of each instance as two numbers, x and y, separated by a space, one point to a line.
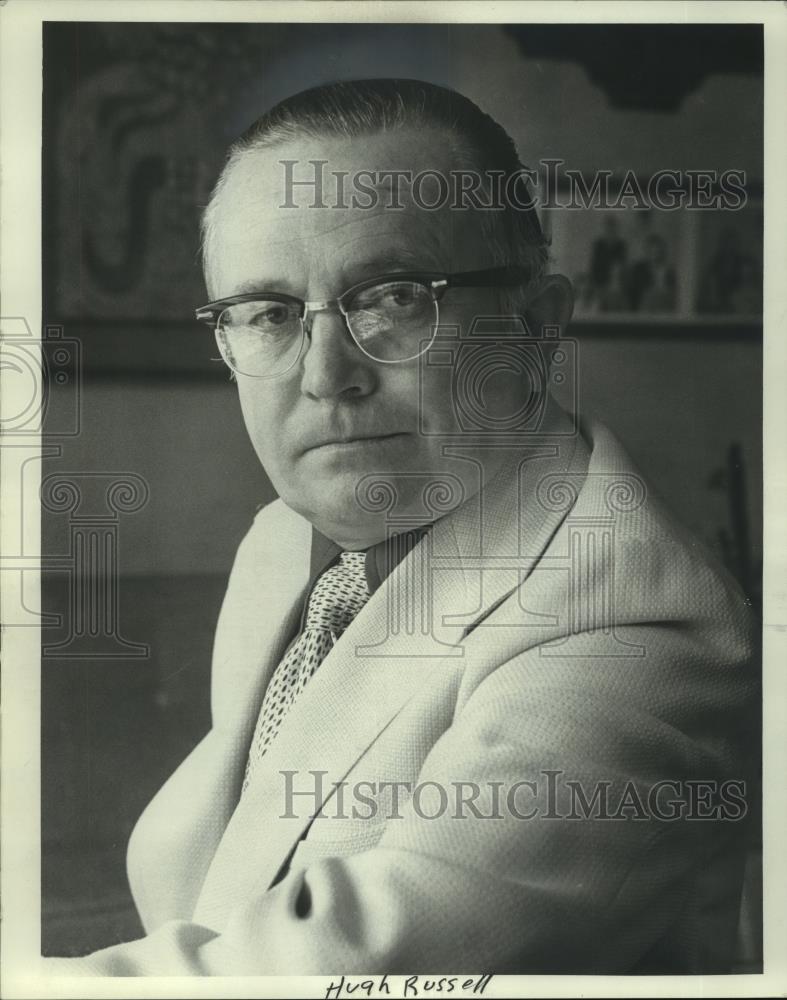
357 108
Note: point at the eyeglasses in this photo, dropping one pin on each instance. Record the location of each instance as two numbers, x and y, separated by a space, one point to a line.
391 319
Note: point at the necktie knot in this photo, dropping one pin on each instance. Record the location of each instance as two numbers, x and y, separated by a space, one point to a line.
339 594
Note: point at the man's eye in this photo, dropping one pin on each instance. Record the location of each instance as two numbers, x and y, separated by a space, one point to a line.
269 316
392 296
401 295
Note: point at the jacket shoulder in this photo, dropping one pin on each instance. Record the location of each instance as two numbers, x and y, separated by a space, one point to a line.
656 568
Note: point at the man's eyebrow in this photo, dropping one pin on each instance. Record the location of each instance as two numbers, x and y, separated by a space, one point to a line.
385 262
262 285
393 260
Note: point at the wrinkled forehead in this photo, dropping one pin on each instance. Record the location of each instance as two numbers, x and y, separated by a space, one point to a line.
380 193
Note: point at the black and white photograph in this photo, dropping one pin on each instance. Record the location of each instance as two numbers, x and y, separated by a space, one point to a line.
423 647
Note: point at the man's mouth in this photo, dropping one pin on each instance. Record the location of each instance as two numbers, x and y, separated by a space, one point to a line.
354 439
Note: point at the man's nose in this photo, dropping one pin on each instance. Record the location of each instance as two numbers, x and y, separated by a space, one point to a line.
334 365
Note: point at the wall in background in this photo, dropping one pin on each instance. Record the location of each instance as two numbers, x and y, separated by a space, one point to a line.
136 118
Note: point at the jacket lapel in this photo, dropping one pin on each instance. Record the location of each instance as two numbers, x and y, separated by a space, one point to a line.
258 617
360 687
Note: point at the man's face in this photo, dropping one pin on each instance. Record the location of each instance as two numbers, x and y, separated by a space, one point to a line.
338 416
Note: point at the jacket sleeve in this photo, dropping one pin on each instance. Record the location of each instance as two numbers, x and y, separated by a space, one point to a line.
537 880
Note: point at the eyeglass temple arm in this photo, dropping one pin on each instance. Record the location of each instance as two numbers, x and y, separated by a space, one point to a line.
207 314
511 274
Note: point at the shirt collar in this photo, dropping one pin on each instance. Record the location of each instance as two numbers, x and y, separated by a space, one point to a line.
381 559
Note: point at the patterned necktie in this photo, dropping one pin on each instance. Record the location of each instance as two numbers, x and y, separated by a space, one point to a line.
337 597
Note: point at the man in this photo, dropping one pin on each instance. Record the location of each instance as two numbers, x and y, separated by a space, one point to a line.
478 703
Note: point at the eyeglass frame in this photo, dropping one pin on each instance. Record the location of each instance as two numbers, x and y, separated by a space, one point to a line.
436 282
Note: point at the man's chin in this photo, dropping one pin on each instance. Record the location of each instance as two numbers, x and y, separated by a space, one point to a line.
348 532
355 510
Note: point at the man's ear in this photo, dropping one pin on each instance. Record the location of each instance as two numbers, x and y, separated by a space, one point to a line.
549 303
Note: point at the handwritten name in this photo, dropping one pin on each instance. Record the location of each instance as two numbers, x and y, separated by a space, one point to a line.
406 986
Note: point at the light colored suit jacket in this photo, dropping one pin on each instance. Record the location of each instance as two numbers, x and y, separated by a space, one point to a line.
562 628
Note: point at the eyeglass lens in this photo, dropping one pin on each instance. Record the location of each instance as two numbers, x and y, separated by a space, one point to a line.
392 321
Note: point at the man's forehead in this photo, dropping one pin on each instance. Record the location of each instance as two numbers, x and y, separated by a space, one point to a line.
262 213
306 169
